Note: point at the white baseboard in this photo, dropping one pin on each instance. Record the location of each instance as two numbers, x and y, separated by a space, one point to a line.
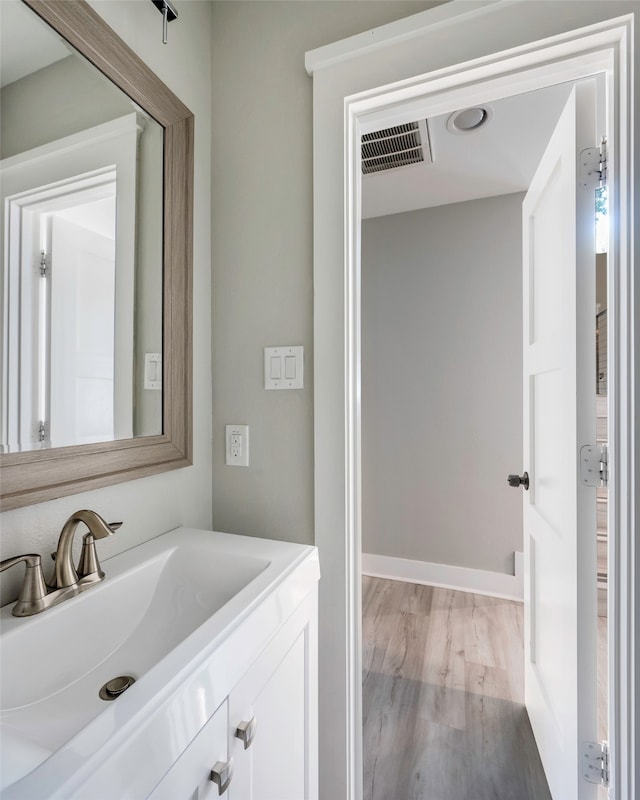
464 579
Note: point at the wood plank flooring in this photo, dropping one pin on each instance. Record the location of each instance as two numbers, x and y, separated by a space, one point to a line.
443 697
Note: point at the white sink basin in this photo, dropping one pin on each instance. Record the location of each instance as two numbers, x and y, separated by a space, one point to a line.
161 608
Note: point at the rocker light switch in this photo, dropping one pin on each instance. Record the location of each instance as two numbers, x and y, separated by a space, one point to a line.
284 367
290 368
275 368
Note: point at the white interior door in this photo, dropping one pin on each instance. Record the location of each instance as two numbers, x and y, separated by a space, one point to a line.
83 337
559 417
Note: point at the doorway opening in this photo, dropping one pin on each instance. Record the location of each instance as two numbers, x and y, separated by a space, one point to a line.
365 92
442 406
60 264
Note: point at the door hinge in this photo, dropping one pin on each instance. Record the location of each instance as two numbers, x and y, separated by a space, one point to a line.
594 465
595 762
603 162
593 166
44 264
42 431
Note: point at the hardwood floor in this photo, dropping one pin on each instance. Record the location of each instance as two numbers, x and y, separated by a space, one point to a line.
443 697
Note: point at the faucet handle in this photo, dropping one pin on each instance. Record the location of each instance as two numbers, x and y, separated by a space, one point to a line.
33 590
89 564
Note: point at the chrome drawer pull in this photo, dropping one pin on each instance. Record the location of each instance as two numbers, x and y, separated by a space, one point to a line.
221 775
246 732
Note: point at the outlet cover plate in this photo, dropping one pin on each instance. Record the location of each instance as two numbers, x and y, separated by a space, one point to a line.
237 445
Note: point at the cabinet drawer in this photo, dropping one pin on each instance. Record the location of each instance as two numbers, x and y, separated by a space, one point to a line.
189 777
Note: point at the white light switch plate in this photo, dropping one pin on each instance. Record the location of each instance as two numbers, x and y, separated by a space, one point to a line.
237 445
284 367
153 370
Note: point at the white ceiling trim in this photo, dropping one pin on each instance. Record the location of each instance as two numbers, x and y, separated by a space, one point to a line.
401 30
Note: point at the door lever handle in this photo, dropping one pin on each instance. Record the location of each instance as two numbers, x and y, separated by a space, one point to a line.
519 480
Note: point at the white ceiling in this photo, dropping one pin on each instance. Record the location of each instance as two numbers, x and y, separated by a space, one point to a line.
499 158
27 44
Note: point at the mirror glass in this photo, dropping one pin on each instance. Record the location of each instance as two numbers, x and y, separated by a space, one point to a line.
81 179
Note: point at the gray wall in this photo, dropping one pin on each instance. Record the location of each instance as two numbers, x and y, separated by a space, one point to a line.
64 98
442 383
262 247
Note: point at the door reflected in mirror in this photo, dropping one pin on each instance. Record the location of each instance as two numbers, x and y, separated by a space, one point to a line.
81 179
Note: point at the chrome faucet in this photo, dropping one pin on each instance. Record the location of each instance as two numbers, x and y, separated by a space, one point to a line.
35 596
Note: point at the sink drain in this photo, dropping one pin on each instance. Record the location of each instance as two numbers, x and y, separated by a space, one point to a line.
116 686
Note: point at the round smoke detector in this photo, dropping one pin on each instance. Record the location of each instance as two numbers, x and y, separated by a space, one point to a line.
469 120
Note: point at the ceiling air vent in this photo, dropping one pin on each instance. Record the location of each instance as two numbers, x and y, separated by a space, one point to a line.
396 147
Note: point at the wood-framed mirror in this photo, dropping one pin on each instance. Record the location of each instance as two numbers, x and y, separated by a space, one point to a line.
39 475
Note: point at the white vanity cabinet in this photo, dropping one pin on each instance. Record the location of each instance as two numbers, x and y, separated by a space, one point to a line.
262 739
220 633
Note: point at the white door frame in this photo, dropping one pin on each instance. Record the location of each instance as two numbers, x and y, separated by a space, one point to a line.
25 367
43 176
604 47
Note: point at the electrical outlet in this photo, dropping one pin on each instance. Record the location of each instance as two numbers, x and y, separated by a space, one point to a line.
237 445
